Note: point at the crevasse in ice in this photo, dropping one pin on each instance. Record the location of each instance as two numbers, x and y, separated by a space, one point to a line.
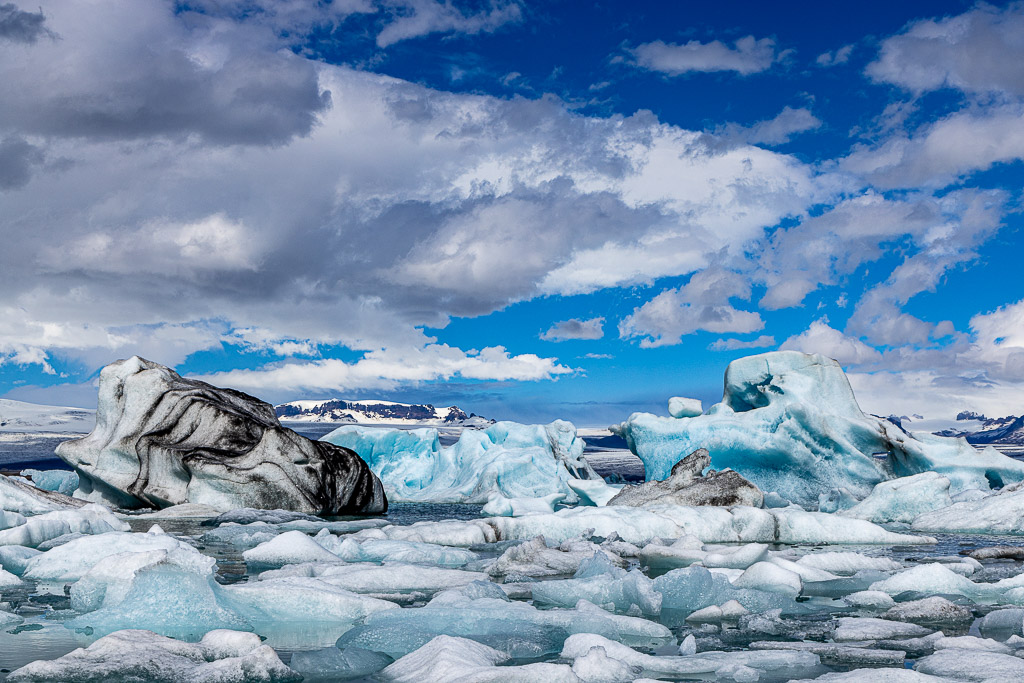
790 423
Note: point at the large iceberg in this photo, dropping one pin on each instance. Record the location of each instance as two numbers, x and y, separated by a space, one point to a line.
789 422
161 440
514 460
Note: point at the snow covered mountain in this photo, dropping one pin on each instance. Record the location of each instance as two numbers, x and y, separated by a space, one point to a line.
18 416
979 429
377 412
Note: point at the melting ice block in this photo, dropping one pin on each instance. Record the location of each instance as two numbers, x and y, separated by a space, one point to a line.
445 658
90 519
220 657
999 513
790 423
903 499
510 459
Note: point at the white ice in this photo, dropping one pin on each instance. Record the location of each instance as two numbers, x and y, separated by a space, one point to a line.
445 658
903 499
91 519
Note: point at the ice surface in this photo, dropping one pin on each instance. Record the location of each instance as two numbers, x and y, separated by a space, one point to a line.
680 554
391 581
60 481
332 664
9 520
16 496
381 550
736 557
592 491
500 506
730 610
685 591
874 600
999 513
972 665
848 563
90 519
241 535
684 407
14 558
766 576
445 658
8 580
71 561
449 532
775 664
291 547
615 590
869 628
790 423
513 460
310 602
875 675
515 628
931 610
903 499
135 655
535 559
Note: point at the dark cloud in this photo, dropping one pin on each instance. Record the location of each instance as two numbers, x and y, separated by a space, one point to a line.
17 157
19 26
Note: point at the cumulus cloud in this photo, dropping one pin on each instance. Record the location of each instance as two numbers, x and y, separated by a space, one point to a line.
775 131
820 338
574 328
979 51
840 56
414 18
700 304
761 342
389 368
748 55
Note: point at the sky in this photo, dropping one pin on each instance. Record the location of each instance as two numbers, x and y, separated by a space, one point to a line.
533 210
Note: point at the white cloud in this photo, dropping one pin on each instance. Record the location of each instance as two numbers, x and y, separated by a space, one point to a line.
820 338
414 18
979 51
747 56
574 328
775 131
944 151
840 56
761 342
389 368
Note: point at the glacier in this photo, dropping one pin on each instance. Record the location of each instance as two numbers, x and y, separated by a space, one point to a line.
790 423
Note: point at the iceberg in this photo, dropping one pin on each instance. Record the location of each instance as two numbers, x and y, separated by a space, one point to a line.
71 561
379 551
903 499
162 440
23 498
90 519
222 656
510 459
58 481
789 422
291 547
686 485
999 513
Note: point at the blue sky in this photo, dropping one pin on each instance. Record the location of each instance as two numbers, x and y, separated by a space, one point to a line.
534 210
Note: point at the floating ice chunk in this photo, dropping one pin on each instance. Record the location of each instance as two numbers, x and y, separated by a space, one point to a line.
241 535
675 556
972 665
1009 552
500 506
14 558
174 594
1003 622
715 614
688 646
17 496
623 592
932 610
686 485
220 657
789 422
110 579
903 499
296 600
90 519
847 563
739 557
766 576
875 600
876 675
445 658
8 618
60 481
972 643
597 667
8 580
448 532
390 581
837 654
182 511
777 665
535 559
382 550
797 526
333 664
515 628
679 407
291 547
9 520
72 560
806 574
595 492
517 461
868 628
251 515
686 590
934 578
999 513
